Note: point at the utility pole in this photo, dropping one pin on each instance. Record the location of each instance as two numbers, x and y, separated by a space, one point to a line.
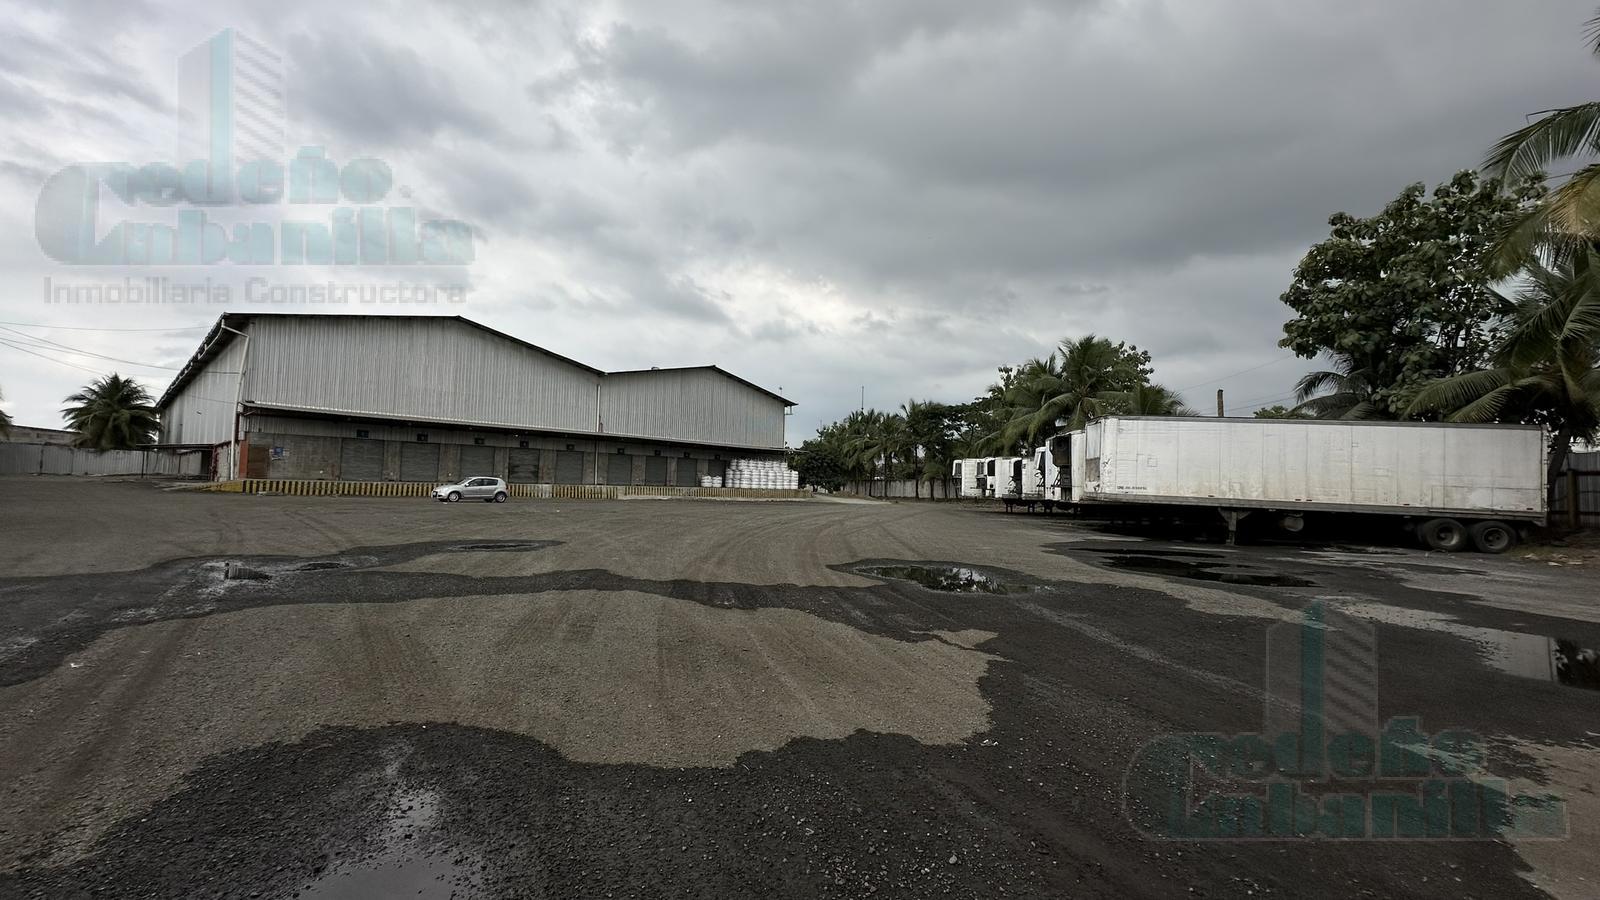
1219 403
863 398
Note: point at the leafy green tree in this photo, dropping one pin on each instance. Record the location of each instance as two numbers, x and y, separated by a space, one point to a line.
1279 412
112 413
1547 371
5 420
1568 220
932 429
1405 296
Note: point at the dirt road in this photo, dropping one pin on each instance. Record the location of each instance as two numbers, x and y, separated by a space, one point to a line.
217 695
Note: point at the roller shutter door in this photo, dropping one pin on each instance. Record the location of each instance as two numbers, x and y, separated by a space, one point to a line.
619 468
686 474
419 462
569 467
522 466
360 460
477 460
717 467
655 470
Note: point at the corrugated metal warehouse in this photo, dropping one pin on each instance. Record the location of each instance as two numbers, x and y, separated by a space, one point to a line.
435 398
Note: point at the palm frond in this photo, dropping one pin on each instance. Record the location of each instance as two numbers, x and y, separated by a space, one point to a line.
1566 132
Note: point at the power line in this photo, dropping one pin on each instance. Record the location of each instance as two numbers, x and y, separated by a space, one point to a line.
46 343
88 328
1238 373
61 362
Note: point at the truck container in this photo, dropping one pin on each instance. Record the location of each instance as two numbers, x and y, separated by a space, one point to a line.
1456 485
964 472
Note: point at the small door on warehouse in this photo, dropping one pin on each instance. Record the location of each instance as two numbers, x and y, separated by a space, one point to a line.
360 460
419 462
522 465
655 470
685 473
569 467
717 468
477 459
619 468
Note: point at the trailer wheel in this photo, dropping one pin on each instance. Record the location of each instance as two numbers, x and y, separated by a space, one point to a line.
1443 534
1493 537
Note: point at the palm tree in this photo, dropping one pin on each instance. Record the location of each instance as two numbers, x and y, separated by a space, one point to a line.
1085 382
5 420
1570 216
113 413
1150 400
1347 391
1547 370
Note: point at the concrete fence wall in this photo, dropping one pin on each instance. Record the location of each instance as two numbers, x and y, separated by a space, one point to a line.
943 489
55 459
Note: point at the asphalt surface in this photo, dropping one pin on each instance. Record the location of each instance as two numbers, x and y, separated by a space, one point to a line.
233 696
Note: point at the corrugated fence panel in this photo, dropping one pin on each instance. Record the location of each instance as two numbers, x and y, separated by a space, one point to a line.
57 459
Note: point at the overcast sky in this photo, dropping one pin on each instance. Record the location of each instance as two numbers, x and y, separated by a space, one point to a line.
900 194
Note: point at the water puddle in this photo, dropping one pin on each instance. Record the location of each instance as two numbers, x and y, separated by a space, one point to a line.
945 579
1226 573
405 865
1131 551
320 566
1542 658
1534 656
491 546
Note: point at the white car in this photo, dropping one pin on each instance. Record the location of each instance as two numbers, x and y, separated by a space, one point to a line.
477 487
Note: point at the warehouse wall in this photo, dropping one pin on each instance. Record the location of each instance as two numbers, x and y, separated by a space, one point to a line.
202 412
293 447
699 405
422 368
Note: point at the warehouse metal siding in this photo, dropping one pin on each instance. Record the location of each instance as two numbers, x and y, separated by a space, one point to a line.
398 367
695 405
201 412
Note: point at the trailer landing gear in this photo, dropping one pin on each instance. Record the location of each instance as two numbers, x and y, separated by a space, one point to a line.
1233 517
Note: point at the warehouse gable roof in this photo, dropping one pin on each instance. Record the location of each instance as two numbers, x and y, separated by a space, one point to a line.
712 368
221 336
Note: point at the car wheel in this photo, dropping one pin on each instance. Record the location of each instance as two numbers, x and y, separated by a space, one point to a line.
500 497
1493 537
454 497
1443 534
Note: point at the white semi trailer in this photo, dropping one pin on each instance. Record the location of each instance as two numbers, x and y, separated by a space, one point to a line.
1455 485
965 474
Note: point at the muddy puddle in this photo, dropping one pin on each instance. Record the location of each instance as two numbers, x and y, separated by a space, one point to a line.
406 863
1542 658
1201 567
946 579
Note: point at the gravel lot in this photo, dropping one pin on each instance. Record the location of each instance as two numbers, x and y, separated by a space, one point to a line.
223 695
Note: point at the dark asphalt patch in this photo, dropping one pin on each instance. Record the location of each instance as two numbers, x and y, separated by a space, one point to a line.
1029 809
